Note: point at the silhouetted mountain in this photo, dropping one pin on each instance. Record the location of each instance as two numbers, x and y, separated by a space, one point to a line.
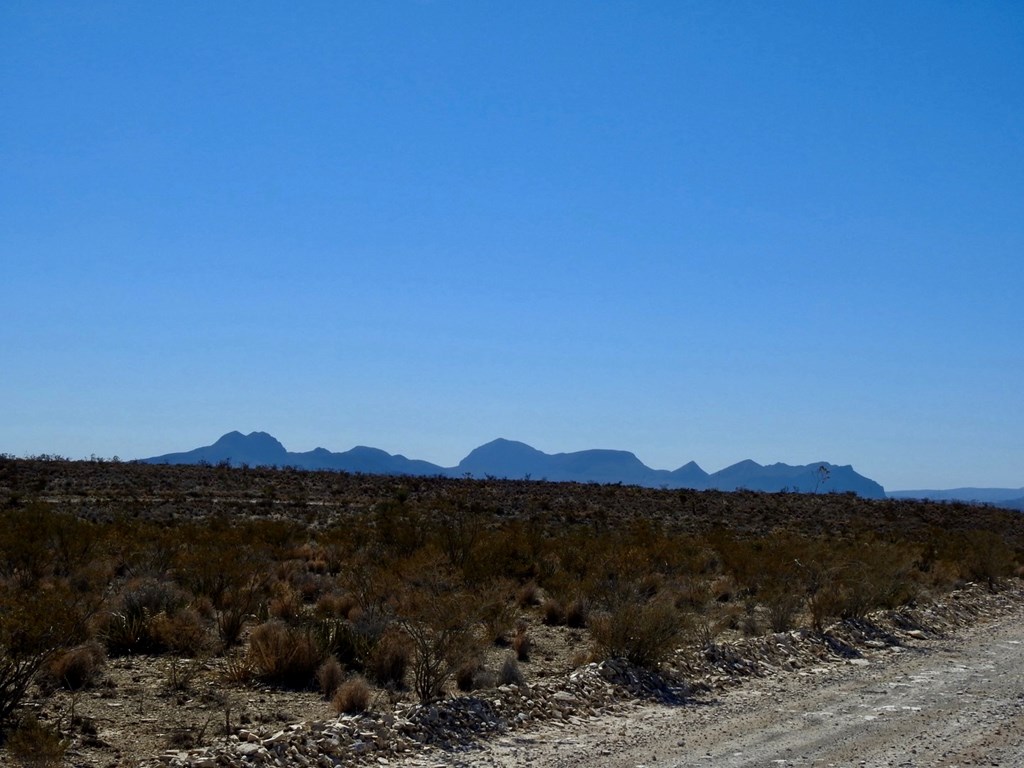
260 449
1010 498
511 459
514 460
820 477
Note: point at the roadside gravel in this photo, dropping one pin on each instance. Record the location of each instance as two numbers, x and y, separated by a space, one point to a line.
953 701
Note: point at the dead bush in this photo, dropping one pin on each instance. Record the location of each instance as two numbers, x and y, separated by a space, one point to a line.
528 595
329 677
283 656
76 668
986 558
389 660
34 625
510 674
553 612
782 607
34 745
352 696
642 633
499 613
466 674
577 614
522 644
440 619
693 593
183 633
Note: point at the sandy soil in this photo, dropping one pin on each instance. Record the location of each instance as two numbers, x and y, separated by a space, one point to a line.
954 702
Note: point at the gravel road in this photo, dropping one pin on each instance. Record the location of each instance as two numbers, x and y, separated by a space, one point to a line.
957 701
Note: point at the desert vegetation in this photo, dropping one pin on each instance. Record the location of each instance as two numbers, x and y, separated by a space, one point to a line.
364 590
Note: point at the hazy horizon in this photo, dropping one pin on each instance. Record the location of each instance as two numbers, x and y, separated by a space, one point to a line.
787 232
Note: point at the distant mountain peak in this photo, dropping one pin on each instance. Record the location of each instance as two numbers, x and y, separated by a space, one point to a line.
504 458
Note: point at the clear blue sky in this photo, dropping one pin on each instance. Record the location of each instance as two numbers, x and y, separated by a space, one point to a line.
693 230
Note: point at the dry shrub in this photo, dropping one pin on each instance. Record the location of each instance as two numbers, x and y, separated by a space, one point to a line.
499 613
440 620
701 630
151 596
782 607
333 605
723 589
522 644
286 604
553 612
510 674
75 668
693 593
352 696
329 677
466 674
986 558
578 613
348 643
237 669
389 660
826 602
182 633
649 585
528 594
34 745
642 633
750 623
283 655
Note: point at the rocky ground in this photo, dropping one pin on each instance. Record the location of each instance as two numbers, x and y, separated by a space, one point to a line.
934 685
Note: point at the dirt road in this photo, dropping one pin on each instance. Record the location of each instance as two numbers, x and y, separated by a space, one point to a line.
953 702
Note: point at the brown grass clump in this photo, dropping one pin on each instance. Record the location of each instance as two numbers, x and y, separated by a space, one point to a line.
577 613
183 633
553 612
283 655
352 696
510 673
35 745
528 595
466 674
329 676
522 644
76 668
389 660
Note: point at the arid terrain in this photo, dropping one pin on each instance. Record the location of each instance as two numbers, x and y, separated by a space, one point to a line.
199 616
957 700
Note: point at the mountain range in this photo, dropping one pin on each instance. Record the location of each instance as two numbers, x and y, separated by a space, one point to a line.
1010 498
514 460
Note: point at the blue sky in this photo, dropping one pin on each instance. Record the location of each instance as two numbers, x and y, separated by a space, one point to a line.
693 230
